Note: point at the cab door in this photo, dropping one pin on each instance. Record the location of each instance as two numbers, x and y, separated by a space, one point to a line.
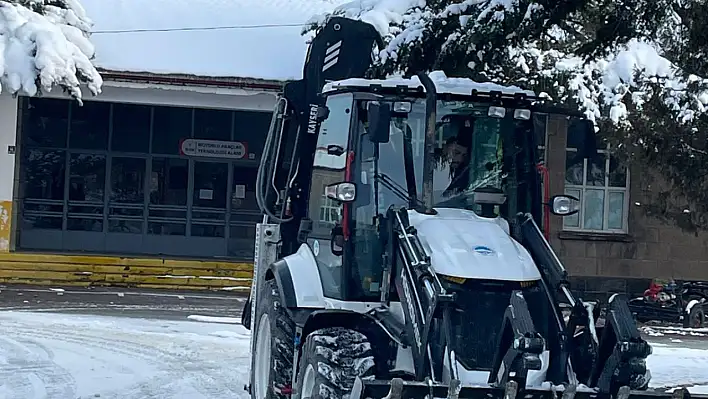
329 167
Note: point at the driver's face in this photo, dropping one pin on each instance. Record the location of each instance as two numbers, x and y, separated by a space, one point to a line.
456 154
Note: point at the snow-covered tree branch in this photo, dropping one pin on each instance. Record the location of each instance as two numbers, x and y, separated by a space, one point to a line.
45 43
638 68
595 47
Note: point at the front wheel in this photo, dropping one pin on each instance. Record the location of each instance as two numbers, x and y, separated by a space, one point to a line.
273 355
332 359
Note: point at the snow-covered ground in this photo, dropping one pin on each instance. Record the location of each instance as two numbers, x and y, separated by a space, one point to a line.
66 356
58 356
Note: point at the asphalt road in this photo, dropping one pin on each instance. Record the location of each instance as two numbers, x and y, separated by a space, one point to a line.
157 304
177 305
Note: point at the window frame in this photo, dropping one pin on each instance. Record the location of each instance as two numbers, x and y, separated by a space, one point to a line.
329 207
606 189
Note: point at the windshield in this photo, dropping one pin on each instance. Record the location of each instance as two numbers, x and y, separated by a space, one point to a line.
472 151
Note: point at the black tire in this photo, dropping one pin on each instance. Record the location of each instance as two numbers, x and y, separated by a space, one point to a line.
282 345
246 314
696 318
337 356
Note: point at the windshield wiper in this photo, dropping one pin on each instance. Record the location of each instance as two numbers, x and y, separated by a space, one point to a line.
397 189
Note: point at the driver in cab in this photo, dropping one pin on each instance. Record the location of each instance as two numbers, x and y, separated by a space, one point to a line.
454 158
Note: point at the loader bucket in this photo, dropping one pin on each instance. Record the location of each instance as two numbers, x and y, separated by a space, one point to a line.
400 389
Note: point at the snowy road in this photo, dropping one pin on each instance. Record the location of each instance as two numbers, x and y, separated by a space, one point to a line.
60 355
50 355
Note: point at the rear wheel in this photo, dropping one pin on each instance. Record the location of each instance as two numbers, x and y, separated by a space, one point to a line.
332 359
274 349
696 317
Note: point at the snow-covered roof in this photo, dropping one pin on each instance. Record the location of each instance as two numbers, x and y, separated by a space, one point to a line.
443 84
273 52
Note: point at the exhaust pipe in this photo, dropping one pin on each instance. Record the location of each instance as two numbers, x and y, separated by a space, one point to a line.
431 97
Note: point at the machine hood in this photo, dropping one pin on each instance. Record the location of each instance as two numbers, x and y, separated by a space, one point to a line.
462 244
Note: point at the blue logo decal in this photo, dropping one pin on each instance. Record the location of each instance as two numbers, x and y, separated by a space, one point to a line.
482 250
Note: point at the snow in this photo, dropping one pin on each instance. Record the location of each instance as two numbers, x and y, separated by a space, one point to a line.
381 14
72 356
48 48
659 331
236 289
673 366
590 307
691 304
186 277
214 319
602 86
87 356
617 77
273 52
443 84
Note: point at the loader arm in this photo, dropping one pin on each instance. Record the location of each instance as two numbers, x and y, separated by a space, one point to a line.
614 359
519 345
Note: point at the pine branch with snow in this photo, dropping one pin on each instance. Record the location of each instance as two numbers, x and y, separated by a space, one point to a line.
515 41
45 43
638 68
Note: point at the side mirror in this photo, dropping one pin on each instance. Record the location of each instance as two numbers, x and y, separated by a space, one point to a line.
322 113
564 205
341 192
379 121
336 243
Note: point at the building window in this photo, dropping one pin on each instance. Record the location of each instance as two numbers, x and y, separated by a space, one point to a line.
330 211
170 125
602 185
131 128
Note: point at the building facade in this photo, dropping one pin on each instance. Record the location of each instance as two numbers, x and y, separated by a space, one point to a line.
129 173
613 244
153 168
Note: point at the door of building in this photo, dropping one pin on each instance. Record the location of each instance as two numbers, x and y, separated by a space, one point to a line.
208 208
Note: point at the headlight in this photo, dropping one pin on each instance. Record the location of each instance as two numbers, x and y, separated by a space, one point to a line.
452 279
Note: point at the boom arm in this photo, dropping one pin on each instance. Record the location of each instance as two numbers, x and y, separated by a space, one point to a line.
341 49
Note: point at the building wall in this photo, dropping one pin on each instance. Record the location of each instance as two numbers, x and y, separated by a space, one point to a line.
624 260
8 129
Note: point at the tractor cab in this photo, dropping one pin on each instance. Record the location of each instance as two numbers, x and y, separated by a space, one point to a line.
371 155
483 157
